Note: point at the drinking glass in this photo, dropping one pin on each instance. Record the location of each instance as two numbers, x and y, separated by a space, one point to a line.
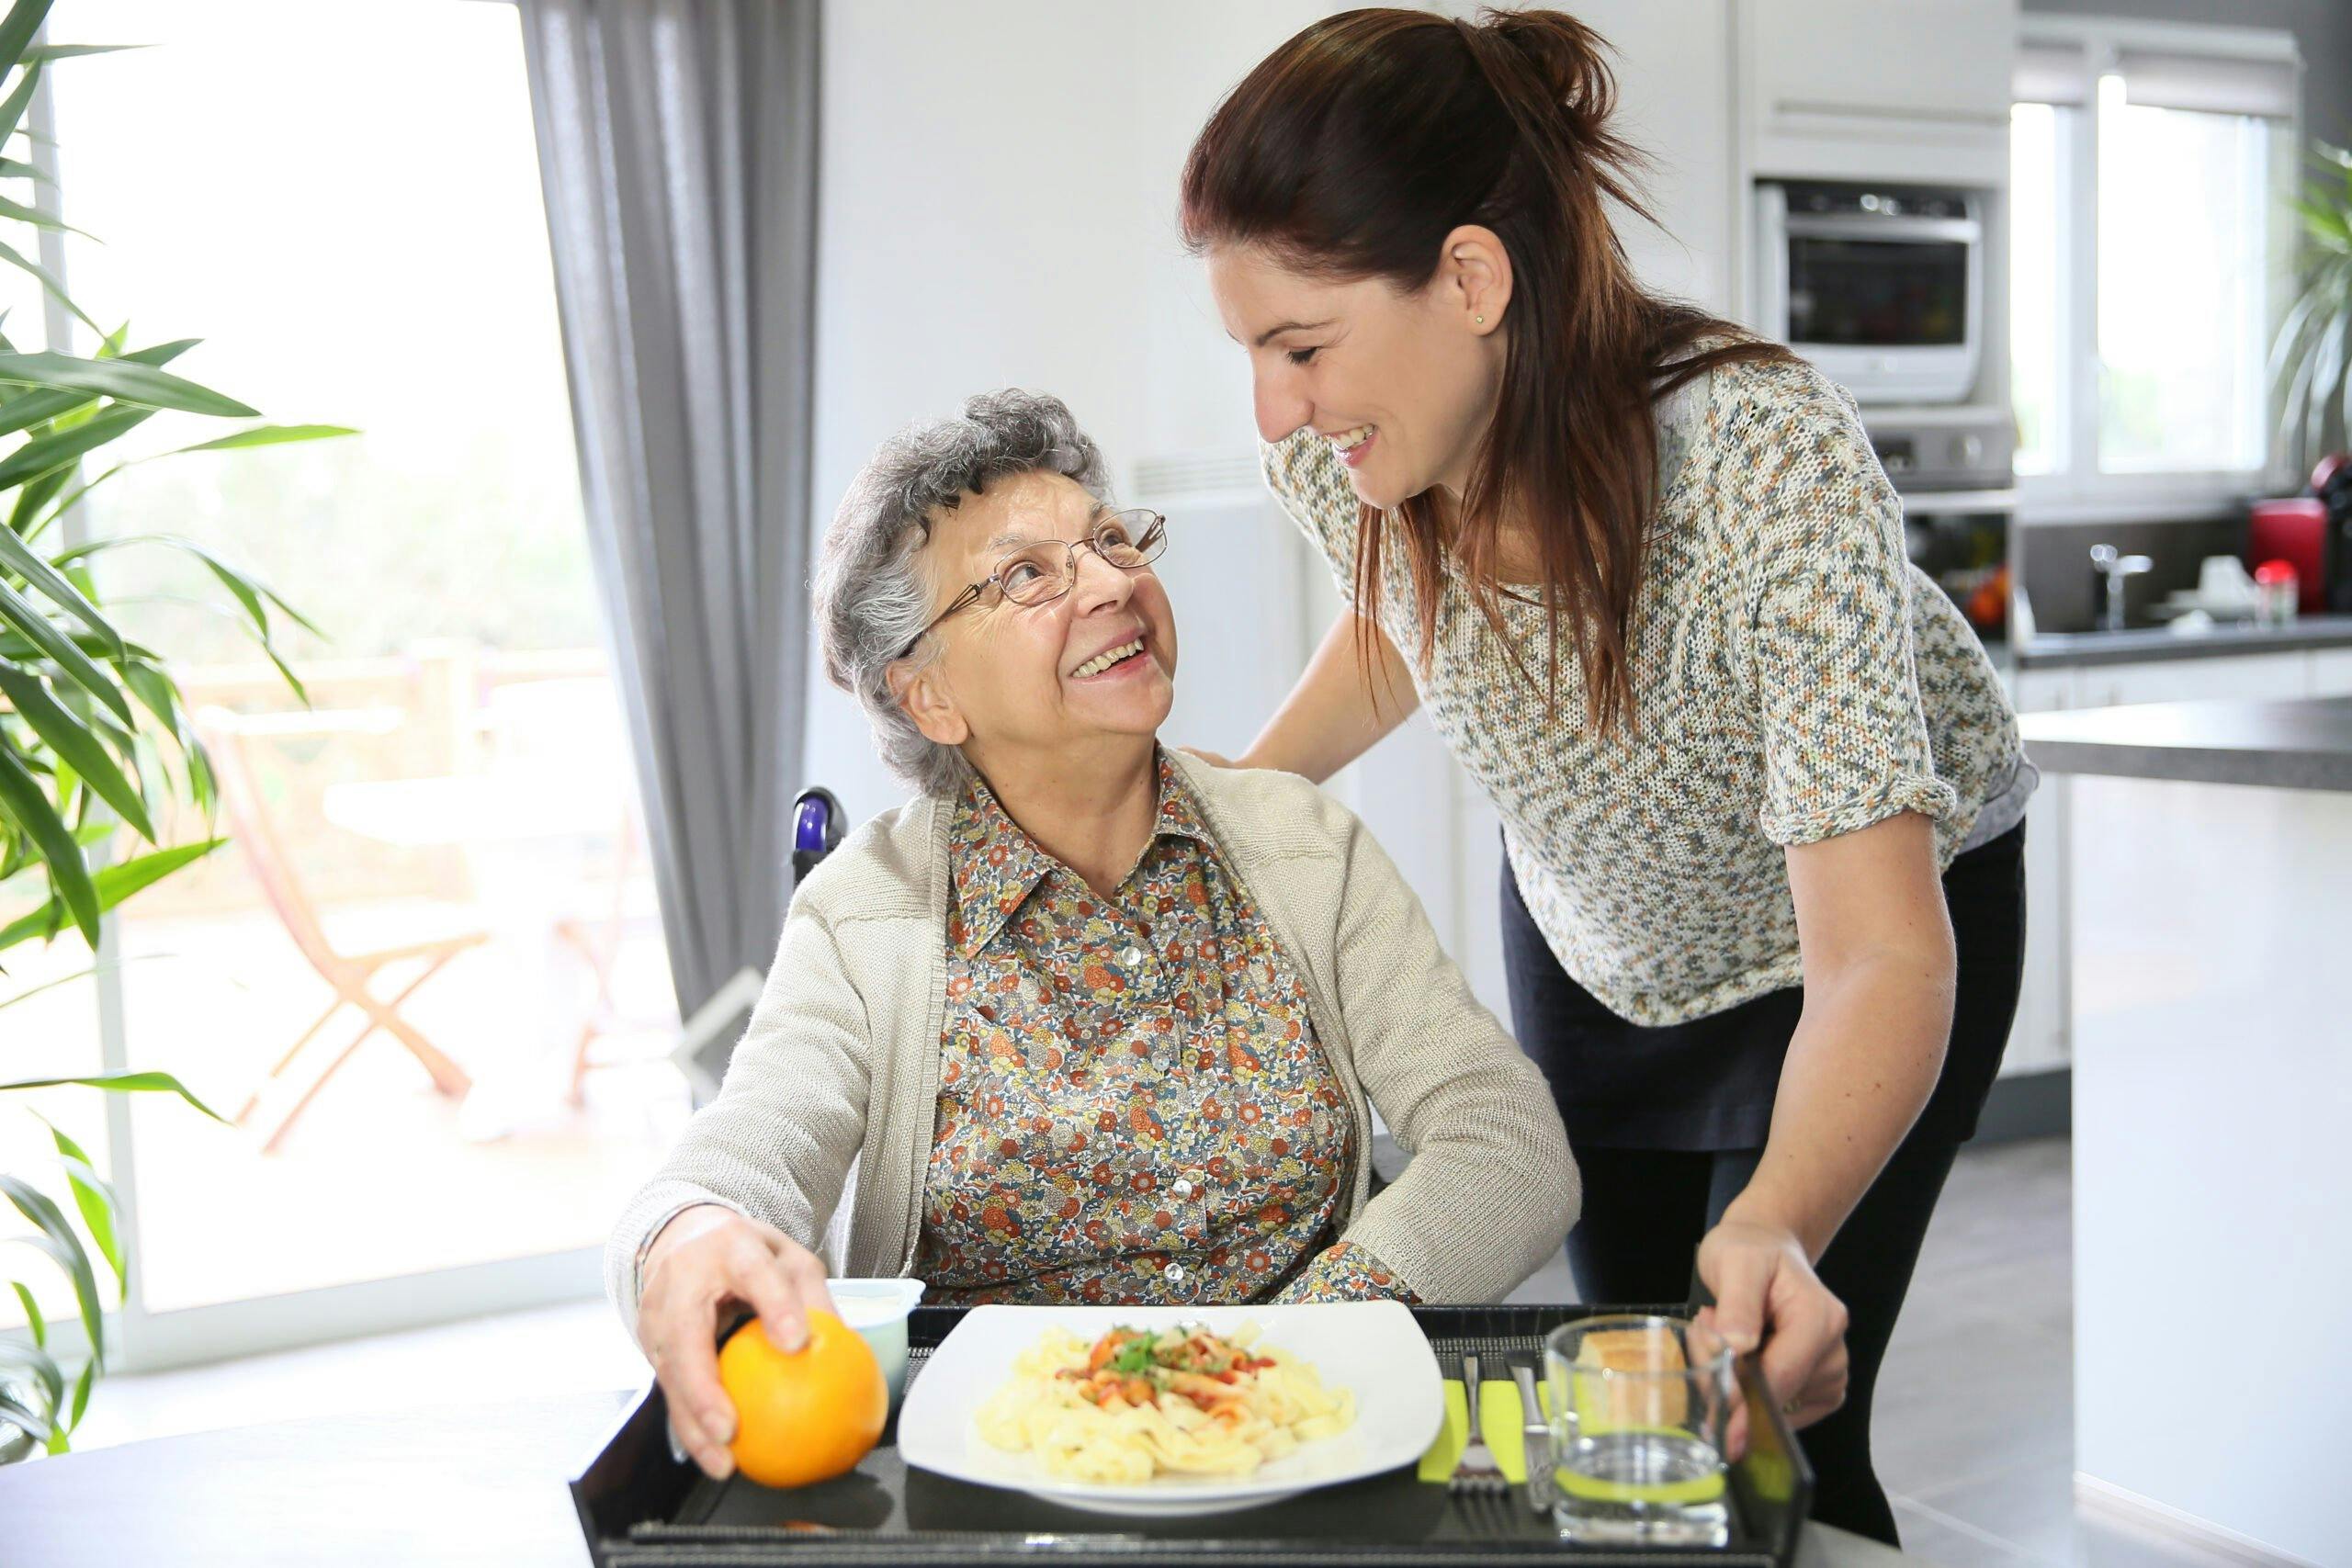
1640 1410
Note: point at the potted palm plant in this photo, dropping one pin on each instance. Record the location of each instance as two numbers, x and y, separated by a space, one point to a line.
93 737
2310 359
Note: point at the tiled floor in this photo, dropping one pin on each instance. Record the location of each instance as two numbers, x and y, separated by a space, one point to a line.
1974 1425
1975 1428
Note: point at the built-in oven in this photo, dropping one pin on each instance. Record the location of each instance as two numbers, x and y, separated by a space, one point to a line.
1883 286
1953 469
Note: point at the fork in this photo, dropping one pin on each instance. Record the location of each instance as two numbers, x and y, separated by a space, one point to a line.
1476 1474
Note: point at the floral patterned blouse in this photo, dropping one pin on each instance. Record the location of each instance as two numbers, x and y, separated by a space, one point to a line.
1132 1105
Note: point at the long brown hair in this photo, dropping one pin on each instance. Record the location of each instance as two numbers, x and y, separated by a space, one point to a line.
1350 152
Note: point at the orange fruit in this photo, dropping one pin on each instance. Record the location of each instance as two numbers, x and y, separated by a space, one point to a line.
804 1415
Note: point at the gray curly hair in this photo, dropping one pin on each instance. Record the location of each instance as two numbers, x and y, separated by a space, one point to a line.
873 598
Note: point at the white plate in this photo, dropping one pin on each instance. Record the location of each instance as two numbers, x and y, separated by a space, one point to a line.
1372 1348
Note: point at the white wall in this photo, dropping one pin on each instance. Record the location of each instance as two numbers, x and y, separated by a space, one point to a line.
997 207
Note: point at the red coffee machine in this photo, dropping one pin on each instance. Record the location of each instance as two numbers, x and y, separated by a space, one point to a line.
2294 531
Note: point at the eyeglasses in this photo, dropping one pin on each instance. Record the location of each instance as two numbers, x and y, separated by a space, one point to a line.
1045 571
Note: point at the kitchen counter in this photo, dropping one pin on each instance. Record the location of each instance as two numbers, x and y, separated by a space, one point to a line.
2299 744
2208 850
2059 650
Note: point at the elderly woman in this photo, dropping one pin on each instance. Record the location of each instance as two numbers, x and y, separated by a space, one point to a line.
1087 1021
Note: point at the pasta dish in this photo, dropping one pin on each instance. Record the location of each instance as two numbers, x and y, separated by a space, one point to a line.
1137 1405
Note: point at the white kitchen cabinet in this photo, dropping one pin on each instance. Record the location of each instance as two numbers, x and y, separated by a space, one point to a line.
2193 680
1675 94
2042 1037
2331 672
1877 90
2038 1038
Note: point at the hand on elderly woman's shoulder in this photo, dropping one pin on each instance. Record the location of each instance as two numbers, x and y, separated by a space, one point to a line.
705 1261
1211 758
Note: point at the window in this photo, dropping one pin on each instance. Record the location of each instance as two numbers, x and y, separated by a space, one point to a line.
2149 261
265 177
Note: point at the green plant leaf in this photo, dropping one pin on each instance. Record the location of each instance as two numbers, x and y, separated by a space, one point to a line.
13 646
33 1318
114 884
53 585
18 169
2327 379
82 1393
73 740
260 634
155 691
40 220
119 735
2324 224
124 380
123 1083
16 30
25 519
248 590
49 51
2290 415
263 435
61 980
18 259
95 1199
30 409
37 629
66 1247
42 453
2290 331
17 1415
20 97
36 1361
22 802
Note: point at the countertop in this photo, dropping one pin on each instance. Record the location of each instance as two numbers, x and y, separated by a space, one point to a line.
2058 650
452 1484
2302 743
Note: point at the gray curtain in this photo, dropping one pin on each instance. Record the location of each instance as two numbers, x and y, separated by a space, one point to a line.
677 145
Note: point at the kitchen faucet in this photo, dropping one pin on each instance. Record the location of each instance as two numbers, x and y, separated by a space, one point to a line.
2115 569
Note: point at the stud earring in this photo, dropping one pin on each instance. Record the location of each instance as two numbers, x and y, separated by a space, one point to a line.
1481 320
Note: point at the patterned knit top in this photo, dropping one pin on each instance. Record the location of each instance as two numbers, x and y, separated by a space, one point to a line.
1795 677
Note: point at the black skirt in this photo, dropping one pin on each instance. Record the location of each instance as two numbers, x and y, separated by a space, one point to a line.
1708 1084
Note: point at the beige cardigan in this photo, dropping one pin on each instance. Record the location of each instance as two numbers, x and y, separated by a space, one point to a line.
835 1083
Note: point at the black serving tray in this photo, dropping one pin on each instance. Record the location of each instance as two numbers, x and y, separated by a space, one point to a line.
639 1507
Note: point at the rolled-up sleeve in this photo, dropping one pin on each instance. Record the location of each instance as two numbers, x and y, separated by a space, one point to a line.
1829 639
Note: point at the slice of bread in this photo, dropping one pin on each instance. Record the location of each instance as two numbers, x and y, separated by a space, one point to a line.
1609 1403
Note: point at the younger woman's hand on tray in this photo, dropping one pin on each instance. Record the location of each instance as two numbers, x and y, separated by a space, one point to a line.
707 1261
1767 1294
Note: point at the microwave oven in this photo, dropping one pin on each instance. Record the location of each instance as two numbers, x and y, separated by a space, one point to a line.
1883 286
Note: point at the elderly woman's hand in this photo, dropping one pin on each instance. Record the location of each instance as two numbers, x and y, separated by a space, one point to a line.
705 1260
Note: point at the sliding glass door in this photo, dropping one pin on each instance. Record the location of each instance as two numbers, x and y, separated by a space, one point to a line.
426 975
